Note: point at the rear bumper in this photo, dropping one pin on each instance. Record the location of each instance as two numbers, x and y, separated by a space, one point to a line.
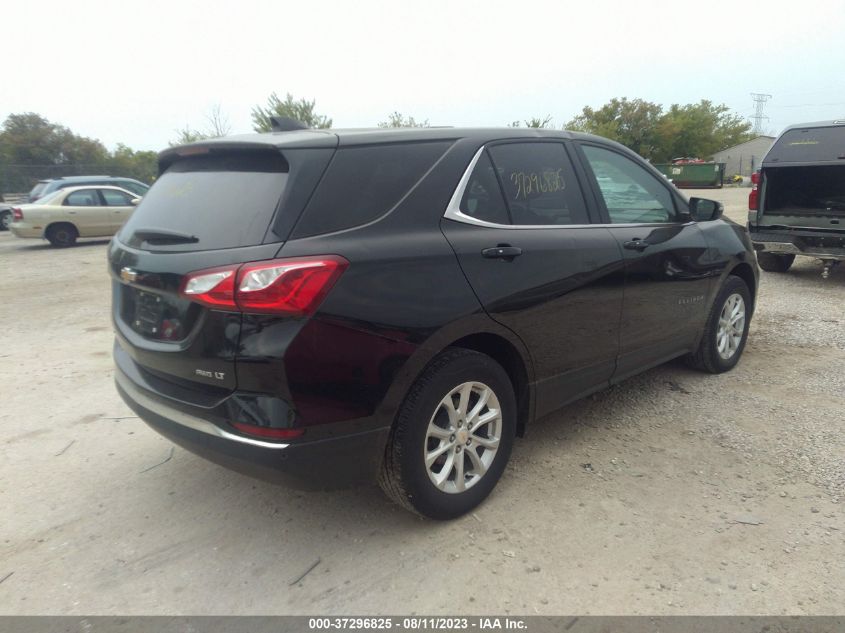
22 229
823 247
336 462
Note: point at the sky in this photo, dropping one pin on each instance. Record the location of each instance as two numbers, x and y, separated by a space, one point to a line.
135 73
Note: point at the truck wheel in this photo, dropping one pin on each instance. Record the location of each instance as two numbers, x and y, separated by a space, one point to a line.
61 235
775 263
452 436
726 331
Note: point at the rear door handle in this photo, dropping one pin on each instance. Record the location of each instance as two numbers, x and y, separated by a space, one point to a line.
636 245
503 251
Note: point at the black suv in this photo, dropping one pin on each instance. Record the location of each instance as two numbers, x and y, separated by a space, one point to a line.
336 306
797 204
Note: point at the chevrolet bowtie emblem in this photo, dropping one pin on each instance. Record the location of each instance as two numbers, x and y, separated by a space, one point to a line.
128 275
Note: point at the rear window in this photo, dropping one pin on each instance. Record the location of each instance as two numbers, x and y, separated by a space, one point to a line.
222 200
363 183
804 145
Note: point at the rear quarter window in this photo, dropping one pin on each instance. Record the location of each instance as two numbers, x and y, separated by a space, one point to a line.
362 184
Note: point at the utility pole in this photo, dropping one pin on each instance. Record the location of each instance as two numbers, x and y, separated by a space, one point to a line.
759 103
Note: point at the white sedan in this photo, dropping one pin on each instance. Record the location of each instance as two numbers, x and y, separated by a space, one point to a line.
74 212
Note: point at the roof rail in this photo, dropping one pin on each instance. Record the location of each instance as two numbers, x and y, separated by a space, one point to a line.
286 124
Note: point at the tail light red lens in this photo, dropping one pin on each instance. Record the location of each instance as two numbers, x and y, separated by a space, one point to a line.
292 287
214 287
755 191
17 214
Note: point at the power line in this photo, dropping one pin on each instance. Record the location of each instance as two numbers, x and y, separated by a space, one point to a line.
759 103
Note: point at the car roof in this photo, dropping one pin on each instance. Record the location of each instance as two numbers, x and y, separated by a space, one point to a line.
68 190
804 126
332 138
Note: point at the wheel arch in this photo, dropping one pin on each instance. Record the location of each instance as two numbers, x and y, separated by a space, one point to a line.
58 223
478 333
507 355
744 271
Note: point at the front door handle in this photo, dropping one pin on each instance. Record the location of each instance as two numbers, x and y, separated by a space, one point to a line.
636 245
502 251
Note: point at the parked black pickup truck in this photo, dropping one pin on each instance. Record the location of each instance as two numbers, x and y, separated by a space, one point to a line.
797 204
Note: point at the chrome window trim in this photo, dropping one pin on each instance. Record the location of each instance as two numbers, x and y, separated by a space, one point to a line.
453 210
185 419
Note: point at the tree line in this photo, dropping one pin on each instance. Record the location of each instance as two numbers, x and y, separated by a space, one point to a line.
32 148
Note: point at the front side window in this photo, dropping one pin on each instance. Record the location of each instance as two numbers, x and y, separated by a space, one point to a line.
83 198
539 184
134 187
115 198
631 194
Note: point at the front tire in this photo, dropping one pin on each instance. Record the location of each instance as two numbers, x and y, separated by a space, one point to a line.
62 235
726 331
452 436
772 263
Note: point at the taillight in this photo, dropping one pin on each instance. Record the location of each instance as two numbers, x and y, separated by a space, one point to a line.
17 214
755 191
293 287
214 287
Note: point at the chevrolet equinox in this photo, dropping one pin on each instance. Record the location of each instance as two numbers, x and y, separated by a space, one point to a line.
331 306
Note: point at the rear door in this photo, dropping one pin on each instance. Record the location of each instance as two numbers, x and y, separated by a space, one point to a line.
117 205
208 210
667 271
522 232
85 209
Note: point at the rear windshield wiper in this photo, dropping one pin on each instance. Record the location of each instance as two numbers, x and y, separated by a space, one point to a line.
164 236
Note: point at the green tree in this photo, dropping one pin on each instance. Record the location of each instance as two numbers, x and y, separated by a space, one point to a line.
537 122
30 139
397 120
125 161
696 129
633 123
699 130
301 110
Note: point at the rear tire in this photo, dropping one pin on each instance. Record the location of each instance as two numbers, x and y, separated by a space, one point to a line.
62 235
772 263
5 220
726 331
452 436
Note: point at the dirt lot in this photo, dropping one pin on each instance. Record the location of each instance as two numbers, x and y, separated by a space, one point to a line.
703 495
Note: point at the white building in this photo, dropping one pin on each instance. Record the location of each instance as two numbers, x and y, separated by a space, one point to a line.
744 158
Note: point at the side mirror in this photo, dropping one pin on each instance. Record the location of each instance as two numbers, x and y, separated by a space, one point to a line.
135 202
703 210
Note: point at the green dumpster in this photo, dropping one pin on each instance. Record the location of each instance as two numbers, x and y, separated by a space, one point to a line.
694 175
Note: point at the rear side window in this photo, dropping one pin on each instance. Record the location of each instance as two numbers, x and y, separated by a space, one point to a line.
363 183
223 200
83 198
539 184
483 197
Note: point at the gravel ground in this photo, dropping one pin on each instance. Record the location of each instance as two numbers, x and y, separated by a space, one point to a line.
673 493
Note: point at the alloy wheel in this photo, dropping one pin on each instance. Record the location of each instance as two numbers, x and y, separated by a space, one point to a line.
463 437
731 326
